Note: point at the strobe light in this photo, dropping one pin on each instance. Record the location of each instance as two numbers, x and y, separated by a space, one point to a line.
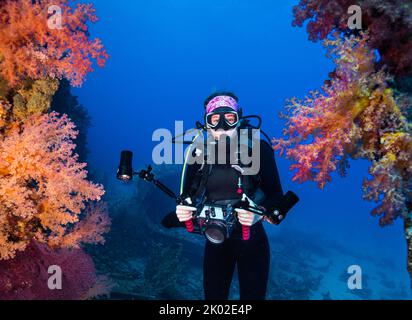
125 171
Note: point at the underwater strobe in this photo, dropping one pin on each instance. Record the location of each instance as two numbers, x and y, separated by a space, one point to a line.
125 173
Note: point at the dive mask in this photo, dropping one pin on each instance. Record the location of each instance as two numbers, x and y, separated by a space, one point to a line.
222 118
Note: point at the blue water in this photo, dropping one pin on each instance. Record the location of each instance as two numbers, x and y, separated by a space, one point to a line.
166 56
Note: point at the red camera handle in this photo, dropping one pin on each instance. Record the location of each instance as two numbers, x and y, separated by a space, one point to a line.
189 225
245 232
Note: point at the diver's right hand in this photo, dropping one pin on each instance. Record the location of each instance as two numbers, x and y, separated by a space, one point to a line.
185 213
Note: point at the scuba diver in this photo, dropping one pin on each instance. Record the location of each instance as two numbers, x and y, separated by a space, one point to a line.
226 200
223 184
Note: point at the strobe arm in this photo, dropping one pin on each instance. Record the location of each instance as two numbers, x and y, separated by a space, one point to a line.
125 173
148 176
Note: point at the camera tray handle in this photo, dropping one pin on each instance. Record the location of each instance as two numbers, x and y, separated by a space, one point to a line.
190 227
148 176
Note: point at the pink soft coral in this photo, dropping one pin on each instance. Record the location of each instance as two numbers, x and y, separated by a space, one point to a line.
380 132
355 115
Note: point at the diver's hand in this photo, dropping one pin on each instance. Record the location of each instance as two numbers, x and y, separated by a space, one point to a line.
247 218
185 213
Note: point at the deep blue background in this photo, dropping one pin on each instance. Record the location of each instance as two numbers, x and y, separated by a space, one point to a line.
166 56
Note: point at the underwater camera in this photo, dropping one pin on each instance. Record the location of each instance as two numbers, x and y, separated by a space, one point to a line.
216 222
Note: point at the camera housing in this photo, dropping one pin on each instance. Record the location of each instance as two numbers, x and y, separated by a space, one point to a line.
216 222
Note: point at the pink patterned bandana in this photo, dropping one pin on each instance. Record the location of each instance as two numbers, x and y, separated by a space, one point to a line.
222 101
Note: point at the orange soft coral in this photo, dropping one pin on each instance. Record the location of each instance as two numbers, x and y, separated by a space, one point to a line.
94 223
43 187
30 49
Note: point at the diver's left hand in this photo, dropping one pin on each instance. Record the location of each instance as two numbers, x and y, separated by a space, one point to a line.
247 218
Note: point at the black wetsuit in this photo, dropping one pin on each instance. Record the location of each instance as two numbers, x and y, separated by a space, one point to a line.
251 257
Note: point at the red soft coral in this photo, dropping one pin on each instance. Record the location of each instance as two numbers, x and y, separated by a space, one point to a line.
26 276
389 24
